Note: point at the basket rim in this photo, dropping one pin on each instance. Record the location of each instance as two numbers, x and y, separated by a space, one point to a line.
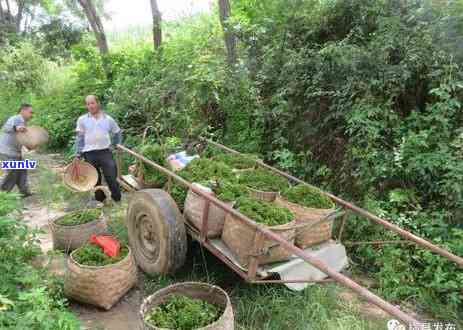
71 259
147 301
281 198
53 221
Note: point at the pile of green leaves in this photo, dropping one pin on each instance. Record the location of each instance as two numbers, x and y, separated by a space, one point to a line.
240 162
93 255
264 212
157 154
79 217
183 313
307 196
225 190
264 180
30 298
202 169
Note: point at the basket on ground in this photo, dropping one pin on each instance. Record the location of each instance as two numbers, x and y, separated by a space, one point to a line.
69 238
240 239
86 178
100 286
33 137
313 225
206 292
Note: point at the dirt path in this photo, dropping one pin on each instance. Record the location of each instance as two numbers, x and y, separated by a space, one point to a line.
124 315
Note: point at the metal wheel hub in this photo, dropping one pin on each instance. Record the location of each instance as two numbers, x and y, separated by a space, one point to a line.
147 238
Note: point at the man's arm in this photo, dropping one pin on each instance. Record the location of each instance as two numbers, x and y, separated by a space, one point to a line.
80 139
116 133
14 124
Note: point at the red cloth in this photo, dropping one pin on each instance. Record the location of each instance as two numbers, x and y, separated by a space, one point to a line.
109 244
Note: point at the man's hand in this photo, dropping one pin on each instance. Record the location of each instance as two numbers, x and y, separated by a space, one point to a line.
21 129
75 168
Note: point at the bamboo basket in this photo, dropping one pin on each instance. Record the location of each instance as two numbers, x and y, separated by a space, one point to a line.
210 293
33 137
69 238
87 180
100 286
194 210
313 225
240 238
268 196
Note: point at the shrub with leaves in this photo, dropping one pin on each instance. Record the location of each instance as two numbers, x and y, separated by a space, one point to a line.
157 154
307 196
201 169
183 313
241 161
263 212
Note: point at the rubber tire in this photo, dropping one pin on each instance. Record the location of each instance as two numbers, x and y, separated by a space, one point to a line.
153 219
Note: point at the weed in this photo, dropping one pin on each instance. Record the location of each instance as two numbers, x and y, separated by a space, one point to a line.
79 217
262 179
93 255
264 212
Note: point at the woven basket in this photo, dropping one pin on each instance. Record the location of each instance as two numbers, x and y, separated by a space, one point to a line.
268 196
100 286
33 137
210 293
239 238
87 180
194 210
313 225
69 238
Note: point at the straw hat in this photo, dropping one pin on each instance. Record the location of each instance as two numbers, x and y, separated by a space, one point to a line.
87 179
32 137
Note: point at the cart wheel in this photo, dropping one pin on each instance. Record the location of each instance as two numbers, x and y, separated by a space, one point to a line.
157 233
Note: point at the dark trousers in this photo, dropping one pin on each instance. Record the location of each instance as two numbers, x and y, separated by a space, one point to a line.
11 178
104 162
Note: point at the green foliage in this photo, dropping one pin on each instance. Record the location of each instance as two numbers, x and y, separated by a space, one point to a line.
242 161
201 169
262 179
264 212
9 203
183 313
79 217
93 255
229 191
307 196
29 297
157 154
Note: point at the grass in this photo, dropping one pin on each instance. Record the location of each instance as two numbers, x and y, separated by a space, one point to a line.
264 212
308 196
263 180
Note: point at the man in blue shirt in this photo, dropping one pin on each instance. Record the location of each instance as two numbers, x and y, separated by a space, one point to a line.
10 149
96 133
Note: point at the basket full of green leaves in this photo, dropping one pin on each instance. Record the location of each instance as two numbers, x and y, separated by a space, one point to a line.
263 184
73 229
239 162
314 213
239 237
226 191
188 306
94 278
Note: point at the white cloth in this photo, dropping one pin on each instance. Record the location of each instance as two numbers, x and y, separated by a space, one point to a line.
97 131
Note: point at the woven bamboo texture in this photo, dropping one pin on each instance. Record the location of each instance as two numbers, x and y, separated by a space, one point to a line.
69 238
210 293
306 233
33 137
194 210
239 238
85 181
268 196
100 286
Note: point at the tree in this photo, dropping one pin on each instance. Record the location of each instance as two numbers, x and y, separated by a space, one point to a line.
230 39
157 31
96 25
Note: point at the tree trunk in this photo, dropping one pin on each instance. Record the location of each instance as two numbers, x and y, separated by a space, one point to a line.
157 32
96 25
19 16
2 15
9 10
230 40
